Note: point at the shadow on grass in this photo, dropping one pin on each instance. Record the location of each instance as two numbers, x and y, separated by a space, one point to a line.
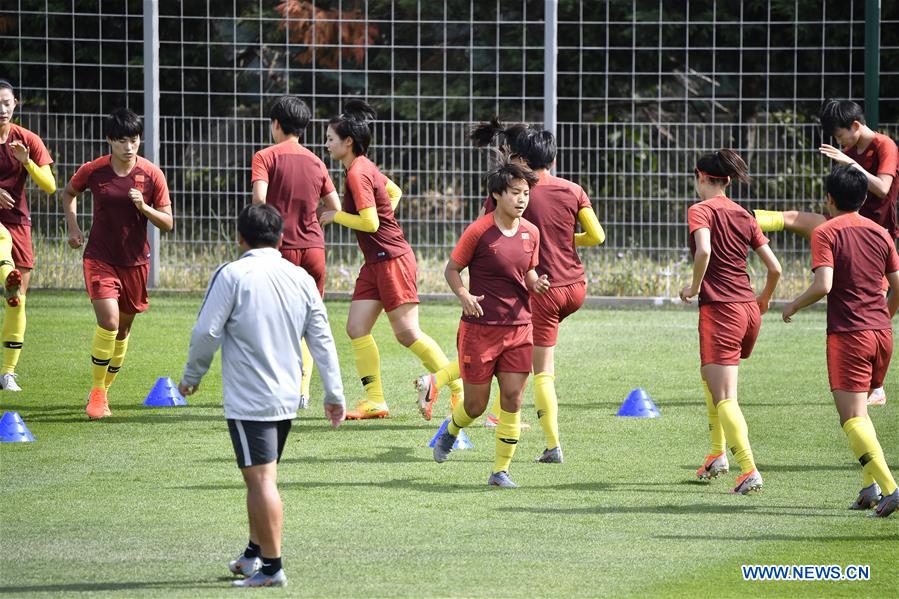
392 455
149 418
794 538
401 484
766 468
677 510
88 587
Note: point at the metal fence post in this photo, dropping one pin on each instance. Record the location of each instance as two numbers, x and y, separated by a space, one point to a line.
872 63
550 63
151 116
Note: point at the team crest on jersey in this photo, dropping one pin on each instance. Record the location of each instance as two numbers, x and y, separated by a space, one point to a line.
525 235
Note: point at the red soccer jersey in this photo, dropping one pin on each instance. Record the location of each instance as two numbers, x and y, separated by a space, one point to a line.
553 207
367 187
860 253
13 174
733 232
296 179
119 232
881 157
497 265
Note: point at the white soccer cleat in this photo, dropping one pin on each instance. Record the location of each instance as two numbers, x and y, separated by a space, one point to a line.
245 566
8 382
278 579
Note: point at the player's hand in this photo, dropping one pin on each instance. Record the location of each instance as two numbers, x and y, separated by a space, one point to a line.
789 311
686 293
835 154
336 413
137 198
327 217
763 303
470 305
186 390
76 237
541 285
19 151
6 200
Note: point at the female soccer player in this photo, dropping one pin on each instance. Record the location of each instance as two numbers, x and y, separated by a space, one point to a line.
387 280
501 252
127 191
22 155
850 256
555 207
721 233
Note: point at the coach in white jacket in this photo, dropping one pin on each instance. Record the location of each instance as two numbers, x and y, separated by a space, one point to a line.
258 308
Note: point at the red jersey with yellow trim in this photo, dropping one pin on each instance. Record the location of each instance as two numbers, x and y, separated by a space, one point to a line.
296 179
733 231
860 252
13 174
497 265
553 207
881 157
119 232
367 187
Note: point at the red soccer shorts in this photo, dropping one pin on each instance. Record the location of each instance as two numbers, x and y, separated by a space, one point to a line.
392 282
487 349
127 284
312 260
857 361
550 308
22 252
727 331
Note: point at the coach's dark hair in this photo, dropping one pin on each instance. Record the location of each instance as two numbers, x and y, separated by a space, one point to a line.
356 122
840 114
4 84
260 225
536 146
500 177
123 122
847 186
723 164
292 115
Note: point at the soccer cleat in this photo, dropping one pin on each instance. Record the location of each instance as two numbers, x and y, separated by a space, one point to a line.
97 404
304 402
550 456
426 385
8 382
366 409
278 579
878 397
888 504
443 446
11 287
714 466
245 566
491 421
749 482
867 498
501 479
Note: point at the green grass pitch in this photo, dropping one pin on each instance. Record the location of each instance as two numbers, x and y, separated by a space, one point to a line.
149 502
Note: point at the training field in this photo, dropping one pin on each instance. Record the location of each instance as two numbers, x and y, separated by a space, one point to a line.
149 502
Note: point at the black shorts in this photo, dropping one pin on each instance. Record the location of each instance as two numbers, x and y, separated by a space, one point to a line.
258 442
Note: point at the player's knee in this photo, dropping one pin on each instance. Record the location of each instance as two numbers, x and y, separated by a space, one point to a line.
354 330
407 337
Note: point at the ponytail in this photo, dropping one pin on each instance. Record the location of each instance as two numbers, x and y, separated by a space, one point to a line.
723 164
355 122
483 135
535 146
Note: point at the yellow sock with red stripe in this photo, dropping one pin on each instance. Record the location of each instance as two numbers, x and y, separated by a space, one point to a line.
737 433
308 365
459 419
13 335
769 220
101 353
508 431
716 432
547 407
117 359
863 440
368 366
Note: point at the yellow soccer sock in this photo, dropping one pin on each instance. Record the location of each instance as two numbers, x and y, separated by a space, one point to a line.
6 263
737 433
117 359
448 373
867 476
863 440
6 267
368 365
459 419
308 364
770 220
13 335
101 353
494 407
433 358
547 407
715 430
508 431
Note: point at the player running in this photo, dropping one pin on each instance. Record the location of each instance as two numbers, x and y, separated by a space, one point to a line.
721 233
128 191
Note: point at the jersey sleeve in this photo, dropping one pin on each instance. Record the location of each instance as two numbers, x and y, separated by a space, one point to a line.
37 151
361 188
79 181
698 217
582 200
535 257
758 238
887 158
261 164
327 184
892 257
822 251
468 243
160 189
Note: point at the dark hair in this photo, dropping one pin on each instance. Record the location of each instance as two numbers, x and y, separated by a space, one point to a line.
355 122
121 123
848 187
4 84
292 115
723 164
840 114
260 225
500 177
536 146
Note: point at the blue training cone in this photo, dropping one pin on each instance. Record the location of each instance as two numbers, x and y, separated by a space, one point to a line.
638 405
13 429
462 441
165 394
